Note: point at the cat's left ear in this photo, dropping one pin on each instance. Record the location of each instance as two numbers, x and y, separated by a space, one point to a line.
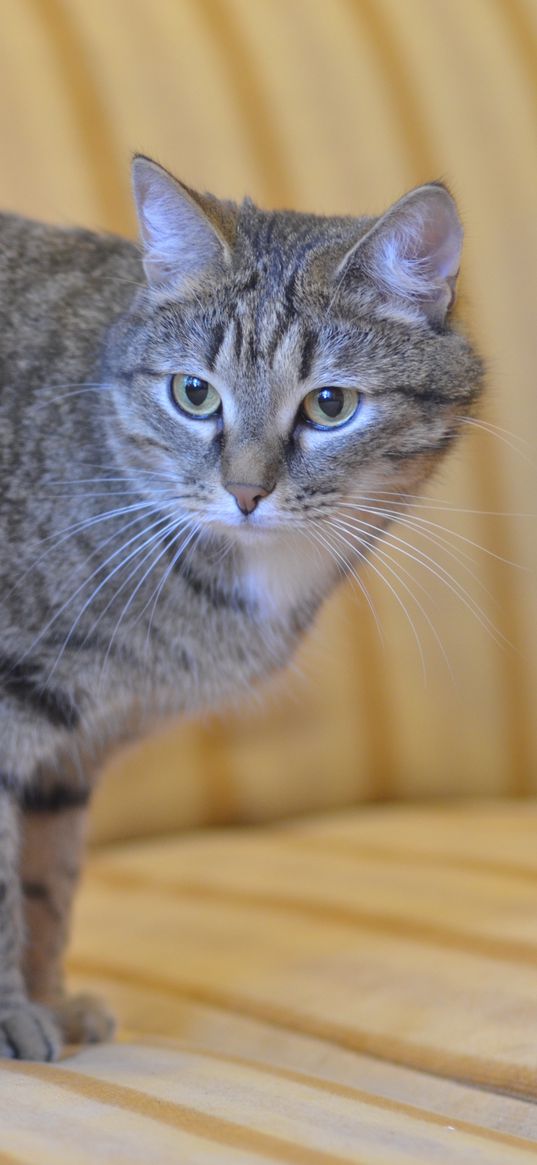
413 252
183 233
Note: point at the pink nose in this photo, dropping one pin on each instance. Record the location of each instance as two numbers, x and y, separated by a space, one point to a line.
246 496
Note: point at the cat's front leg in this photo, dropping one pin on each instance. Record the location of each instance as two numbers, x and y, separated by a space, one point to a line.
28 1030
52 845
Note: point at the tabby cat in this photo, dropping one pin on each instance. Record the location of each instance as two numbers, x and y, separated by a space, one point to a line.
182 428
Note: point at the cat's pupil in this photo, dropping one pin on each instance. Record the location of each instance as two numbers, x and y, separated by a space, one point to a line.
331 401
196 390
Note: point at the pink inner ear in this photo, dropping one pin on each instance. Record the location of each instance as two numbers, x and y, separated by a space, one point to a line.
413 252
179 240
434 234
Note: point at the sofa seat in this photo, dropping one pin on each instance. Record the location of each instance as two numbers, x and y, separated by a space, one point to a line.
360 987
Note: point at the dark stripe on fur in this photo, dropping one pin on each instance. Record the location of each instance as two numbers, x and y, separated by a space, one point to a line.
53 799
421 450
141 370
302 617
308 352
252 348
9 785
22 682
290 289
36 890
39 892
78 643
215 344
12 1046
282 327
431 396
427 396
250 283
238 338
270 228
216 597
288 294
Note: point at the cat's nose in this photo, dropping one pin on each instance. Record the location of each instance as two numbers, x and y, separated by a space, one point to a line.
246 496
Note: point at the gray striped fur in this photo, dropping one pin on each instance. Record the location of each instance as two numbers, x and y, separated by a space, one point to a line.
104 632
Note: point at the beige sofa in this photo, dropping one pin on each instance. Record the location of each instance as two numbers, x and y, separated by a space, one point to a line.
355 988
358 986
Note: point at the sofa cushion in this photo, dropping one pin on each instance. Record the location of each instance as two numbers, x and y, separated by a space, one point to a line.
352 988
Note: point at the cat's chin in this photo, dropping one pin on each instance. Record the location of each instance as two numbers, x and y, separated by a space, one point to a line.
245 531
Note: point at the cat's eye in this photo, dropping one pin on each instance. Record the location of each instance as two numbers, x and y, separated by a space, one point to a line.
327 408
194 396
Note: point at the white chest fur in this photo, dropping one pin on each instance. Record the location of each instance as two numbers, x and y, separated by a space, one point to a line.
285 571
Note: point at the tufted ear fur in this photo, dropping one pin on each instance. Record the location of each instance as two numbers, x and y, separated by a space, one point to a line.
412 253
183 233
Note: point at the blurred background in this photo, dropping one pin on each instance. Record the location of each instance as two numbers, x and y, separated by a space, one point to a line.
333 106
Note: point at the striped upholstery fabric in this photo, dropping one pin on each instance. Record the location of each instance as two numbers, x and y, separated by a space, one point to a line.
357 989
331 106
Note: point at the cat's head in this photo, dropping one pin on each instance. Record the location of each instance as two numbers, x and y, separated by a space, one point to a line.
280 366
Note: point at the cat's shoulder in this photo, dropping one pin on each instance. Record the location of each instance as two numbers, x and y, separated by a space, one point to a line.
48 248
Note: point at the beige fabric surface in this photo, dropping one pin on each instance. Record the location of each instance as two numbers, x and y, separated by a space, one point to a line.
359 988
331 106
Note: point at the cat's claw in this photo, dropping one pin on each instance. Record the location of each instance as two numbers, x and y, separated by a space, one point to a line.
28 1032
84 1019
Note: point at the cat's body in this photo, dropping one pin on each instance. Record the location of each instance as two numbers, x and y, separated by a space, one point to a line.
213 631
223 543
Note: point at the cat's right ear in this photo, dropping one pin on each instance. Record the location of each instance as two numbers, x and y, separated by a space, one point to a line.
180 229
412 253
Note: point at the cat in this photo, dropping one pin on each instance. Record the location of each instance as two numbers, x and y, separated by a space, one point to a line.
190 431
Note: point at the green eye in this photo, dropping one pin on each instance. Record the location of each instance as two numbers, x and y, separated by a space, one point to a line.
194 396
327 408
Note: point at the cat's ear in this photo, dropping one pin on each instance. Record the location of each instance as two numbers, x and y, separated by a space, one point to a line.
183 233
413 252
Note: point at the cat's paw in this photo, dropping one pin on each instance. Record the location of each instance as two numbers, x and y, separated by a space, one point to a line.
84 1019
28 1032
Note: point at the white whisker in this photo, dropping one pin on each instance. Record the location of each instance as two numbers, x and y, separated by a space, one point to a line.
134 554
100 567
149 473
161 534
502 435
365 556
419 501
346 569
79 527
444 576
94 519
162 494
75 390
461 557
155 595
380 552
122 279
402 516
